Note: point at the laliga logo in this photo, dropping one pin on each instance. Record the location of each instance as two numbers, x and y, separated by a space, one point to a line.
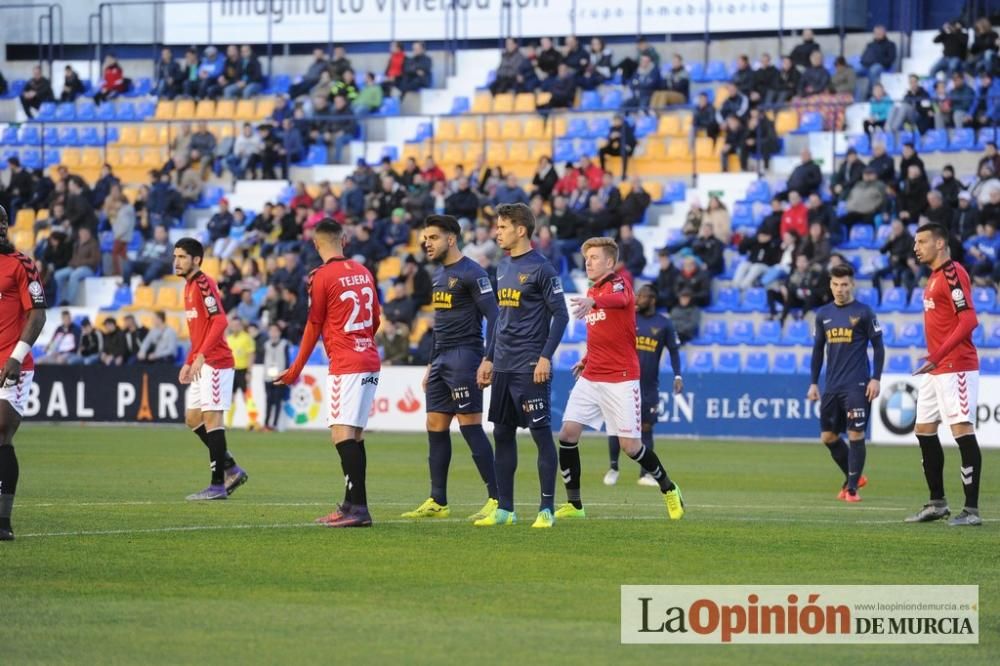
303 404
899 408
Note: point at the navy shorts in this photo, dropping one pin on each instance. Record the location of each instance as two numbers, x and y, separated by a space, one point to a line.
518 401
650 408
841 411
451 382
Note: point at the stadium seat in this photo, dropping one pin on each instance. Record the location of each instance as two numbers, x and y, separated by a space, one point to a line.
985 299
810 121
900 364
31 159
756 363
769 333
69 136
30 135
993 339
726 299
754 300
911 335
986 135
916 303
713 332
46 112
888 332
567 358
696 71
599 128
786 122
565 151
459 105
868 296
741 333
675 191
577 129
165 110
934 141
861 236
50 136
784 364
797 333
990 365
717 71
66 112
390 107
978 336
124 111
805 365
168 298
142 299
702 363
590 100
893 300
729 363
962 139
317 155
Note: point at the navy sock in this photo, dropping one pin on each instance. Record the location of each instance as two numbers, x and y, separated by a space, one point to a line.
972 461
614 450
646 437
439 459
482 455
547 466
352 460
855 463
839 453
9 473
933 462
216 441
347 476
505 437
569 466
649 461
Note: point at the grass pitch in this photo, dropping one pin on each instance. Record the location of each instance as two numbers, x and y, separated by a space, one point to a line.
111 565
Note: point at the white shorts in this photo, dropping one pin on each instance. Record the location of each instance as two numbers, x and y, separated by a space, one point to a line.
17 395
948 398
212 392
350 398
616 404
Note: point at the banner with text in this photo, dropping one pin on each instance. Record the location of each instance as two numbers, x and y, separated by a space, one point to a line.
306 21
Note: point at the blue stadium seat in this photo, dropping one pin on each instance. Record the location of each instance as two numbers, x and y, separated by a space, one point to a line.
993 339
317 155
122 298
612 100
702 362
51 157
135 244
867 295
66 112
6 155
91 136
916 303
644 126
726 299
989 365
696 71
31 159
390 107
86 110
10 137
769 333
278 84
893 300
910 335
576 128
862 144
69 136
759 191
125 111
675 191
741 333
140 87
567 358
978 336
797 333
50 136
30 135
985 299
318 356
590 100
900 364
805 365
587 147
576 331
888 332
934 141
881 233
392 152
599 128
712 332
424 131
962 139
986 135
810 121
729 363
784 364
717 71
565 151
754 300
145 109
46 112
862 236
742 215
210 196
459 105
15 89
757 363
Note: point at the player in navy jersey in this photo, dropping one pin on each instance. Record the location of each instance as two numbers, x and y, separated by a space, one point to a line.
518 361
845 328
463 297
654 332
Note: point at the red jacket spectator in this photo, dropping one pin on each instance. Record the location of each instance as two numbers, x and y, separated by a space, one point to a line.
432 173
796 219
594 174
567 183
300 200
114 79
396 60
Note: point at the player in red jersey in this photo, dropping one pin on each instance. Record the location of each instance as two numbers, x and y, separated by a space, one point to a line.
344 309
22 316
208 370
607 389
950 386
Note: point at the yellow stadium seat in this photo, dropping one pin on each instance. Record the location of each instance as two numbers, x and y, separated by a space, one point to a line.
225 109
224 131
453 152
534 128
518 152
447 130
179 325
42 214
128 136
70 157
149 135
654 189
656 149
481 103
669 125
679 149
265 107
25 219
420 327
91 157
469 130
704 148
142 299
511 129
168 298
212 267
624 188
503 103
165 110
492 129
561 126
524 102
153 158
786 122
389 268
184 110
246 109
43 234
721 95
24 240
130 157
205 110
540 149
542 98
496 152
113 156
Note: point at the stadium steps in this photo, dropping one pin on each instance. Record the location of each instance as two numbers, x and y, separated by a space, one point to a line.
253 194
470 66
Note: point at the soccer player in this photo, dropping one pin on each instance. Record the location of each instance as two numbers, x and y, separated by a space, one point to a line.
654 333
244 350
344 309
518 361
607 389
22 317
208 370
463 296
950 386
844 329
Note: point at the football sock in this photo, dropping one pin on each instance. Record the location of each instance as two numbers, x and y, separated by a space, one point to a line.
651 463
347 476
364 460
614 450
839 453
855 463
646 437
216 441
547 466
569 465
230 462
352 460
439 458
482 455
933 461
972 461
9 471
505 437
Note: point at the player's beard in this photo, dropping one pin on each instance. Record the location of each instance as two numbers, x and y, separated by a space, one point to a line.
6 247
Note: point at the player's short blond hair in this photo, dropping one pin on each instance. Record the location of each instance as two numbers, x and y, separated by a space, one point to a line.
609 246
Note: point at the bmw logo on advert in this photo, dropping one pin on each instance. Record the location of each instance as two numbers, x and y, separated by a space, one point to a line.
899 408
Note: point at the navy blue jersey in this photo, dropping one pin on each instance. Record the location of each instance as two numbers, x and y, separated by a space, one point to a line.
532 315
652 335
462 297
845 331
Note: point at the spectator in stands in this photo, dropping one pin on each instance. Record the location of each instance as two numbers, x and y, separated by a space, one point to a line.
987 182
743 77
990 157
249 80
983 51
292 313
399 308
160 344
676 82
84 263
879 107
866 200
394 342
899 249
589 79
801 55
596 219
941 106
705 118
56 254
566 224
879 56
220 224
881 163
365 248
285 152
209 70
346 86
986 108
102 188
631 255
545 178
966 216
666 278
938 211
3 84
431 171
600 57
91 343
635 203
915 108
761 251
686 317
789 79
189 182
65 343
114 350
694 279
36 91
113 81
732 141
709 249
312 75
806 178
509 192
154 260
950 187
962 98
410 171
548 59
189 81
913 191
202 147
643 48
816 246
169 77
574 55
133 334
761 140
508 73
772 221
482 248
394 68
620 143
821 212
815 79
19 188
341 129
388 197
463 204
799 291
766 83
339 63
983 254
79 211
991 210
229 74
370 98
643 84
121 215
796 216
736 104
609 195
247 148
562 90
72 85
579 199
954 41
396 234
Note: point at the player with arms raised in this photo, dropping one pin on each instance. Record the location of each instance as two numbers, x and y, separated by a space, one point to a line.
654 332
844 329
607 390
950 387
518 361
22 317
208 370
344 309
463 296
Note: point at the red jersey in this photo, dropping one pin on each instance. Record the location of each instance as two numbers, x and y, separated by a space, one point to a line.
795 219
20 291
947 295
207 322
611 355
343 302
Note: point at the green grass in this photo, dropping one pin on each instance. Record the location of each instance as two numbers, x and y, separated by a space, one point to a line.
112 566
